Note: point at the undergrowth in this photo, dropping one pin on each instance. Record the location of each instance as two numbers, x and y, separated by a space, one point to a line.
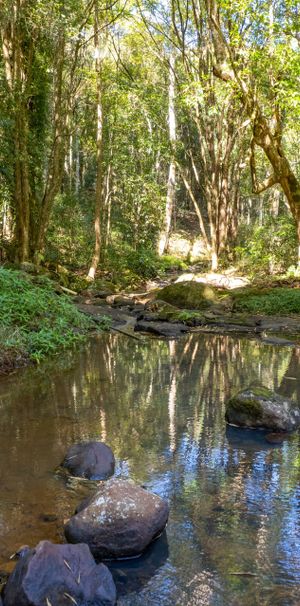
283 301
35 321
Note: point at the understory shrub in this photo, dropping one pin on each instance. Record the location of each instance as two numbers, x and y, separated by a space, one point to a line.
271 301
270 248
34 319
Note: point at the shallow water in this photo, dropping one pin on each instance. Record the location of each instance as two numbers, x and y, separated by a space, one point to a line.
234 498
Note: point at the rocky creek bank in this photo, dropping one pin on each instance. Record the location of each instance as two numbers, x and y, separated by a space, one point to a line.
120 520
183 307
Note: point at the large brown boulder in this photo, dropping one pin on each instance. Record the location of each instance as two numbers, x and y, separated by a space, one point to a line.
119 521
258 406
59 575
91 460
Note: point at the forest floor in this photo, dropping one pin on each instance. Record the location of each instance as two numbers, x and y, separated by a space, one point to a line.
38 319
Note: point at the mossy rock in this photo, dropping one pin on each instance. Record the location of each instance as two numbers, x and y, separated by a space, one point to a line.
161 311
259 407
190 295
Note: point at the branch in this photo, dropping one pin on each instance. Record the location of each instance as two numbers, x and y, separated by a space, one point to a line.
257 187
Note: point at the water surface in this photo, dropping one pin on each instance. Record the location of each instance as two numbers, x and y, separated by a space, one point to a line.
234 499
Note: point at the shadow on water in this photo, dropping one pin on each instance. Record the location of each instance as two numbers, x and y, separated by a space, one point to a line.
131 575
234 530
249 439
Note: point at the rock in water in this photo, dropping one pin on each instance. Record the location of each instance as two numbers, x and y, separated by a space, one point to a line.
59 575
275 438
91 460
260 407
119 521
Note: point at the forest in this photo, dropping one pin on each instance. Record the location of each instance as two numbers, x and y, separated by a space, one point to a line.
134 133
149 302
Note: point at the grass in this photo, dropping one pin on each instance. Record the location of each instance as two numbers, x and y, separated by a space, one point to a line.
35 322
272 301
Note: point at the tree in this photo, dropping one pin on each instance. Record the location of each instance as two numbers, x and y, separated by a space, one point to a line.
99 145
171 186
263 74
212 151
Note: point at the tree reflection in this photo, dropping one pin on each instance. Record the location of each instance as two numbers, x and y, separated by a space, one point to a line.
160 406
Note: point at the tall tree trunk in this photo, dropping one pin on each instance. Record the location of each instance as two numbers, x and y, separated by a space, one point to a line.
99 151
11 36
56 160
21 188
171 188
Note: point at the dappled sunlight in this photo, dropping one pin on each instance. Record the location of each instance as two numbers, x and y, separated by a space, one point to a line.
227 280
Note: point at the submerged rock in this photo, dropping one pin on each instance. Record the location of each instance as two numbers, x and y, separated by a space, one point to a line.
59 575
91 460
133 574
119 521
276 438
258 406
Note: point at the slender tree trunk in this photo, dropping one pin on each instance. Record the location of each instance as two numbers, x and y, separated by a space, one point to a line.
56 160
11 37
275 201
77 165
21 184
107 205
171 188
99 152
214 232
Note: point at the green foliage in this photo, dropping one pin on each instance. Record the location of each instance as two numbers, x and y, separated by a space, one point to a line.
34 319
129 266
269 248
169 262
69 238
272 301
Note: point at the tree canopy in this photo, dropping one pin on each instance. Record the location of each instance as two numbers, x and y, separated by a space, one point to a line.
125 123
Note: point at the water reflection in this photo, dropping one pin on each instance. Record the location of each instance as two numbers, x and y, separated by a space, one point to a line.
132 575
160 405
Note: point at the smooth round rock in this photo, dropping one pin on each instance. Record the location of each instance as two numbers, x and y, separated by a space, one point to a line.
276 438
119 521
50 574
258 406
91 460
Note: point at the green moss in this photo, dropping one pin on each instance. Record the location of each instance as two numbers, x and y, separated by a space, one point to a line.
249 406
248 401
189 317
260 391
190 295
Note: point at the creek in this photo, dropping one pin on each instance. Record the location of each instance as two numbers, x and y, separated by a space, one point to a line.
233 536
